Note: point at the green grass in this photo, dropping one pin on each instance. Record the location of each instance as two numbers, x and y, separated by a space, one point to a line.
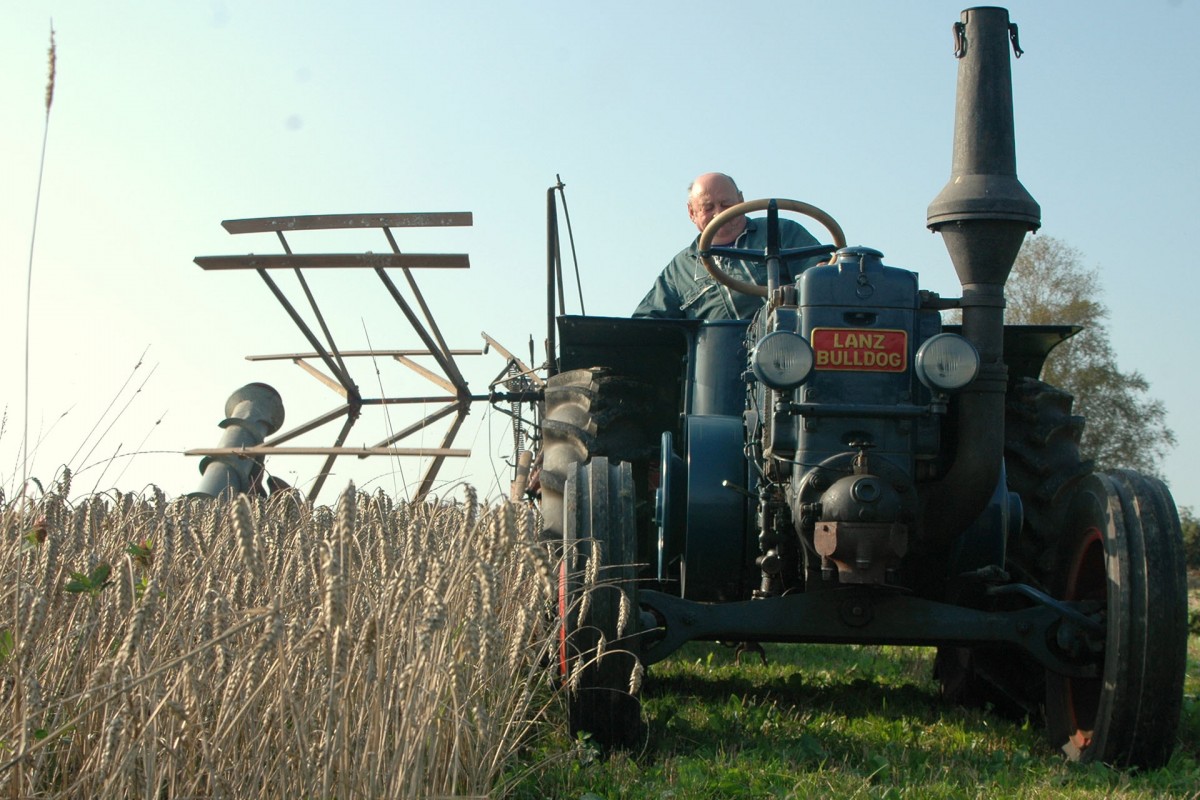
822 721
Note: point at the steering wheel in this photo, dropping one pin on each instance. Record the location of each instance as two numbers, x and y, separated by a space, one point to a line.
722 277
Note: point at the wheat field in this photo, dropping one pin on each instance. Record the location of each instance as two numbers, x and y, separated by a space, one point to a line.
251 647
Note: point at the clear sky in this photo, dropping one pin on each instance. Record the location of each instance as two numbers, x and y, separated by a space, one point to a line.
169 117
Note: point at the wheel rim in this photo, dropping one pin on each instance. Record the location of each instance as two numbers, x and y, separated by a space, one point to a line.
564 664
1087 581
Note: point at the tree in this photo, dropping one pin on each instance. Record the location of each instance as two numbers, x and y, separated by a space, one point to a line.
1126 427
1191 537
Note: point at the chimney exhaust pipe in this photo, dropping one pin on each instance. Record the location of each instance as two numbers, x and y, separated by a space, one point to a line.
983 214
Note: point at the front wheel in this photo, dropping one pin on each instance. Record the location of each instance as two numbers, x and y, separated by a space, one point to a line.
1120 559
598 604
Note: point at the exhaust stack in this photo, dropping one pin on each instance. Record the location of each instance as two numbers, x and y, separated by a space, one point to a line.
983 214
984 211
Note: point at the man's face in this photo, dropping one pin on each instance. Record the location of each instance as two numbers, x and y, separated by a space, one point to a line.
710 198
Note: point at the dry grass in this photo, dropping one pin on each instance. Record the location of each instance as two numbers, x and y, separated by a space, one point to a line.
267 648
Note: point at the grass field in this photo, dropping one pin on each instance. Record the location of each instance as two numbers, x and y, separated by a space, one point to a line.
267 648
837 721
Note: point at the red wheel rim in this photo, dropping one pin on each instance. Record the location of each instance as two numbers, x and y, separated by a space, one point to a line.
1086 581
562 620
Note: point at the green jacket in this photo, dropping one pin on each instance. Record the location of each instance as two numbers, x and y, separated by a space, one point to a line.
685 290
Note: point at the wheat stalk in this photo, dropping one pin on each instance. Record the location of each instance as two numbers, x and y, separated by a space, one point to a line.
247 667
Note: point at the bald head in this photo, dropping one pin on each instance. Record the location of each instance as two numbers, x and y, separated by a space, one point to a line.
708 196
708 180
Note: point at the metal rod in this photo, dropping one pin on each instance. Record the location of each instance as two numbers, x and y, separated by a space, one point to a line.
398 401
562 192
551 237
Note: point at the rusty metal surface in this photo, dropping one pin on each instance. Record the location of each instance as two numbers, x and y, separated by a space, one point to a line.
320 222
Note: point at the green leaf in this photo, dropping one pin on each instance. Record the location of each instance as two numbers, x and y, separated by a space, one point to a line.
144 550
92 583
99 576
8 645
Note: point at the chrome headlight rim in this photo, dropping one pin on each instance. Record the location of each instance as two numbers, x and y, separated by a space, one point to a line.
782 360
947 362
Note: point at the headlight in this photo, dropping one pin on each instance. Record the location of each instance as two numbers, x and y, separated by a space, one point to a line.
947 362
782 360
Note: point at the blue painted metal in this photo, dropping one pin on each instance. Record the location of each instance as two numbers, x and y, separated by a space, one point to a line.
716 540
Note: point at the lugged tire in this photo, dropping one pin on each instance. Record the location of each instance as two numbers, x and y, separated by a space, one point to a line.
589 412
1110 542
1121 551
1041 455
1043 464
598 605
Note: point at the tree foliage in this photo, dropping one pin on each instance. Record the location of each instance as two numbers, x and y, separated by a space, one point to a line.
1126 427
1191 536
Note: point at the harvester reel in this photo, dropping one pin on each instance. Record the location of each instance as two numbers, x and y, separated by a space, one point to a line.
718 222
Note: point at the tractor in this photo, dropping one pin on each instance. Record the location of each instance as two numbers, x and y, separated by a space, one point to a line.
847 467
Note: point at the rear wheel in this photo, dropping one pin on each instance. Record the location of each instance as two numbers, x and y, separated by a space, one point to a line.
1120 558
1042 463
598 604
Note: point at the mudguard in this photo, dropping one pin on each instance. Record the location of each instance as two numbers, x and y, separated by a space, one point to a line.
714 547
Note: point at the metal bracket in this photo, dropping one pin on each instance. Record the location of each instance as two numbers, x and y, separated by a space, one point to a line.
862 615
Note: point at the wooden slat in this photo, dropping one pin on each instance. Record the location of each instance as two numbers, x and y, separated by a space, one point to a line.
337 261
266 450
428 374
317 222
322 377
525 369
358 354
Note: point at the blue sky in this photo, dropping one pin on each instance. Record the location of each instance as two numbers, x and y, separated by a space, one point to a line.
171 116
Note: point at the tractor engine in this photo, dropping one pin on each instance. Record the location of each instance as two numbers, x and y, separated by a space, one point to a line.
854 380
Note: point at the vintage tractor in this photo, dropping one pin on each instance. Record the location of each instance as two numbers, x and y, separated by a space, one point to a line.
845 467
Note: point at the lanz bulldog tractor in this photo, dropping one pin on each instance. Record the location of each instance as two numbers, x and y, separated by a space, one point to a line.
847 468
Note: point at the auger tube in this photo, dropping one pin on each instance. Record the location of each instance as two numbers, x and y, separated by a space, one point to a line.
252 413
